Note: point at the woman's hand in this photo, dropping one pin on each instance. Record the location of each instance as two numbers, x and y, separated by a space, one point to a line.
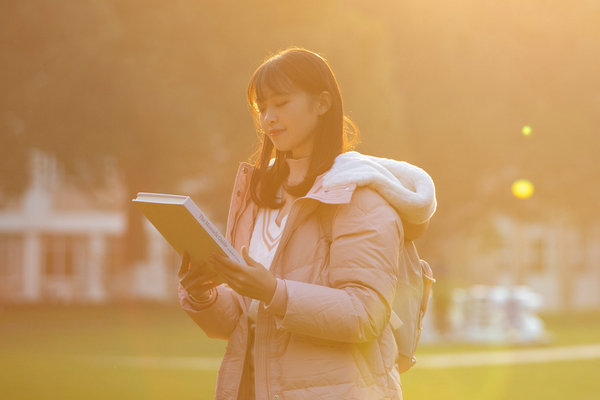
252 280
197 279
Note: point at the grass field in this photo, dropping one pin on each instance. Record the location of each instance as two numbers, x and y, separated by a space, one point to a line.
118 352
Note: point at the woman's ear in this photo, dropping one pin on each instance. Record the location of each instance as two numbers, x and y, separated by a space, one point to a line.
324 102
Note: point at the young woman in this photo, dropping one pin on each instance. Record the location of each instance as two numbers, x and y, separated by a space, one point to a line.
323 233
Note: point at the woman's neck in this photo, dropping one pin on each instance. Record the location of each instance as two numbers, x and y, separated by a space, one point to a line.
298 169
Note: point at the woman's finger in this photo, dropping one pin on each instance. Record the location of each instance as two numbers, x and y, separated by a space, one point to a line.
215 277
224 263
198 274
199 270
185 281
249 260
185 265
200 284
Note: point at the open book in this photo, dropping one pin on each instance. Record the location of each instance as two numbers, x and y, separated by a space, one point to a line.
184 226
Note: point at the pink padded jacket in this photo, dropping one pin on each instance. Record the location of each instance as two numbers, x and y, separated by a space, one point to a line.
326 334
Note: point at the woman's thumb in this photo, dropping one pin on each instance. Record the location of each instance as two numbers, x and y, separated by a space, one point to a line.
246 255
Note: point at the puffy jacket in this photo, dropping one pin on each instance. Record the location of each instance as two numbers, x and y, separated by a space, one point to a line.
326 334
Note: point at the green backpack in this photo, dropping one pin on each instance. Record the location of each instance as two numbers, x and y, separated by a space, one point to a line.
410 304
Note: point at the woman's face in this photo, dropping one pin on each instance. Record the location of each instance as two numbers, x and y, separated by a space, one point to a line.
290 120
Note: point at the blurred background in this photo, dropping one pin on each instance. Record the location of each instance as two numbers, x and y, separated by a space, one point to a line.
498 101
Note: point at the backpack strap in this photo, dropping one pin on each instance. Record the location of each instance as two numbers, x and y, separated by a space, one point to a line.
428 281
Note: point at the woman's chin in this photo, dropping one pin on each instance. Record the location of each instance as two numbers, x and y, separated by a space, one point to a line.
280 146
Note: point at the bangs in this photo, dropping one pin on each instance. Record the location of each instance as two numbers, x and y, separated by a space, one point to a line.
268 78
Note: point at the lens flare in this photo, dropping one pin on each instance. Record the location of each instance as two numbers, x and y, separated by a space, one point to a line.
522 189
526 130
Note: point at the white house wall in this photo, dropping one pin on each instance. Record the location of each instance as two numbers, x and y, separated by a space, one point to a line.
80 223
557 259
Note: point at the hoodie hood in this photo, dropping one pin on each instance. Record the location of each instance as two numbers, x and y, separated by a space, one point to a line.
409 189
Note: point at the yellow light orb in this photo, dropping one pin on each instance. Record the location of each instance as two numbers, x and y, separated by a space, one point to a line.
522 189
526 130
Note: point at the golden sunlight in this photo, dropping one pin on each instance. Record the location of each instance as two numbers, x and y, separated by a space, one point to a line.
522 189
526 130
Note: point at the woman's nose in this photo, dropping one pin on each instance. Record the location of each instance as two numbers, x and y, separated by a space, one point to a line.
270 116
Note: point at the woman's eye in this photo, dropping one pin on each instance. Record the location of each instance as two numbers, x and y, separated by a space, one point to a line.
281 104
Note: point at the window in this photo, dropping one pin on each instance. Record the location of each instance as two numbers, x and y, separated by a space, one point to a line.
63 255
538 260
11 256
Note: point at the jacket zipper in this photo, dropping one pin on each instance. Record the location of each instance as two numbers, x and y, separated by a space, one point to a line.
267 325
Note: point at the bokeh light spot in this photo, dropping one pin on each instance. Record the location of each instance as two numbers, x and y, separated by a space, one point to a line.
526 130
522 189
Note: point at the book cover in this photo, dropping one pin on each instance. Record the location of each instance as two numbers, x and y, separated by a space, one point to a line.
184 225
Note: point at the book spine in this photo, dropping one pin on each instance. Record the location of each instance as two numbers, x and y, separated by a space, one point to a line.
216 235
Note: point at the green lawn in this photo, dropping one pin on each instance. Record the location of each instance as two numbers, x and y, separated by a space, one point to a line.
64 352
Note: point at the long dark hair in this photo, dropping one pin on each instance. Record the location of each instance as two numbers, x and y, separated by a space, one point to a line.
309 72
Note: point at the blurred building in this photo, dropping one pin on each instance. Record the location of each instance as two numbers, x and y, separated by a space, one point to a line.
554 256
63 243
496 315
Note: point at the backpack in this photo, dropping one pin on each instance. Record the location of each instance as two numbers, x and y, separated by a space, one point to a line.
410 304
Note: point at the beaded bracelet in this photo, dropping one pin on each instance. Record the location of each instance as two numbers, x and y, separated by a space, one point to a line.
202 301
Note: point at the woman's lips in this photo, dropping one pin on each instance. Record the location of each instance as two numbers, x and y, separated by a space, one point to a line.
276 132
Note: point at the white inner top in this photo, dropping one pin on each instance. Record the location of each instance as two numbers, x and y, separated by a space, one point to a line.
263 245
266 236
